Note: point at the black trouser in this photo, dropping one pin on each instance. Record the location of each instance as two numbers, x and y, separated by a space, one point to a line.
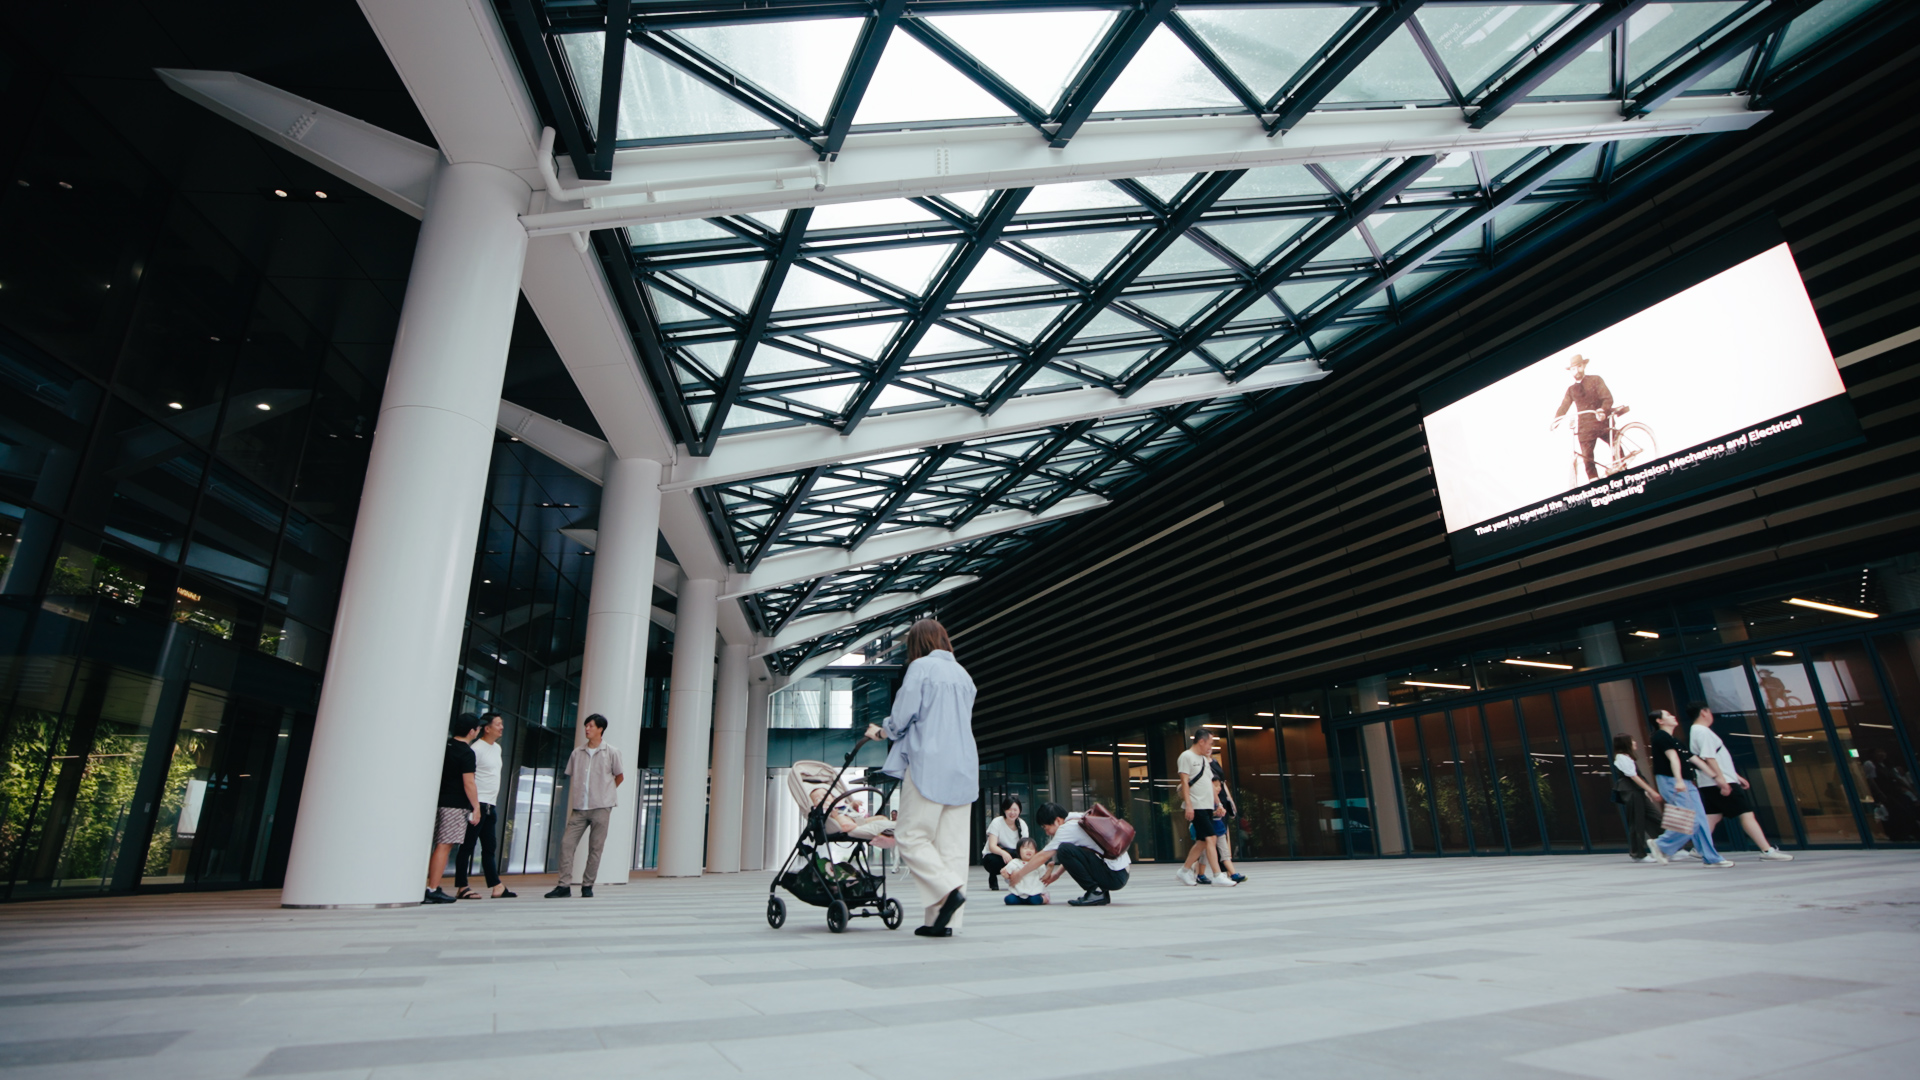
1088 869
1643 822
488 833
993 864
1587 438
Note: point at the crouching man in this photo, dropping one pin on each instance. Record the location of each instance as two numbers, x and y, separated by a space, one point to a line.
1071 847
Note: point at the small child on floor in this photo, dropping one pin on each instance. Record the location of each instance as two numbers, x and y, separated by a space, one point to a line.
1031 888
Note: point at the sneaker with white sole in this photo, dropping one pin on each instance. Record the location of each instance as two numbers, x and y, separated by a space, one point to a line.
1775 855
1721 865
1224 882
1654 856
1184 876
1689 853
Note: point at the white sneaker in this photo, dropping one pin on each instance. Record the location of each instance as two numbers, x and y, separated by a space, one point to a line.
1721 865
1224 882
1654 856
1774 854
1690 853
1185 876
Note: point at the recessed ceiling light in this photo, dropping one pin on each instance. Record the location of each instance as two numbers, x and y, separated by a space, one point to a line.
1648 634
1305 715
264 407
280 192
1835 608
1434 685
175 405
1539 663
1783 652
319 194
66 185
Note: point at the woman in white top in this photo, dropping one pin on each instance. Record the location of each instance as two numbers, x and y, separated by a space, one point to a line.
1004 834
1632 791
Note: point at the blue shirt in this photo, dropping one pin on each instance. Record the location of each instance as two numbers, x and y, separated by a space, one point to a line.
932 730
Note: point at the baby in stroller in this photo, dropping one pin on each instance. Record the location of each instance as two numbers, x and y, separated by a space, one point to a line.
829 866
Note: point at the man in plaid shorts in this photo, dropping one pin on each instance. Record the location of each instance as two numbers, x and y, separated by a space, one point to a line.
459 802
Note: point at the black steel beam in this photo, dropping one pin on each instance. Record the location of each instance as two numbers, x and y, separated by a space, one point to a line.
922 476
1178 222
756 326
1708 60
716 75
1317 241
1032 463
859 75
994 218
616 262
1372 32
799 495
1597 25
533 41
612 68
982 76
1122 43
1218 67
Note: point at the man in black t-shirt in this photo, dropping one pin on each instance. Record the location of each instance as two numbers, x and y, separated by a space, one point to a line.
459 804
1674 767
1592 404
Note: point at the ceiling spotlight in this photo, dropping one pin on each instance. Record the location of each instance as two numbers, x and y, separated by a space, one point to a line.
1539 663
1648 634
319 194
264 407
1783 652
1434 685
1304 715
1835 608
175 405
280 192
66 186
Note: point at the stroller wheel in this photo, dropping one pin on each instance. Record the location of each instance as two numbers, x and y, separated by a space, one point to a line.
776 912
837 917
891 915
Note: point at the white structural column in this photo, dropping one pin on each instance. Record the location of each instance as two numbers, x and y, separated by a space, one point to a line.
753 801
613 676
367 806
725 801
683 787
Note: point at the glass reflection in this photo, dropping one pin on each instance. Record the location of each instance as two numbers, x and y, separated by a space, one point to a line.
1477 784
1513 783
1552 780
1808 756
1730 695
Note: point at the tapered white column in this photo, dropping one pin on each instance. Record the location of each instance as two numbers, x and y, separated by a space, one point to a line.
683 787
724 798
367 803
613 676
753 800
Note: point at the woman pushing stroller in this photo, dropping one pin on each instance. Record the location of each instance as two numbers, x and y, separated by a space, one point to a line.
934 758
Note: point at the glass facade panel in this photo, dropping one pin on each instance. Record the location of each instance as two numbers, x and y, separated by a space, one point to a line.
1477 783
1588 755
1892 777
1513 780
1415 793
1443 774
1552 781
1260 791
1811 763
1316 814
1864 725
1729 693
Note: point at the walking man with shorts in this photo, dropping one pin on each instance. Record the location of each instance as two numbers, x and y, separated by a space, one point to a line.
1196 795
459 806
1674 768
596 774
1726 794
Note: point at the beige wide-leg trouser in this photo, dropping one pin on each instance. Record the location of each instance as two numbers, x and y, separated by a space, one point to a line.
932 841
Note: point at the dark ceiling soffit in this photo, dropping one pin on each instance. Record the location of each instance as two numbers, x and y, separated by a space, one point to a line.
1708 60
1597 25
1373 31
536 49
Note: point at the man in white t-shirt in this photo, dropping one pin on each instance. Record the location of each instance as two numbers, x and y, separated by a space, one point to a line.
486 778
1195 767
1724 793
1071 846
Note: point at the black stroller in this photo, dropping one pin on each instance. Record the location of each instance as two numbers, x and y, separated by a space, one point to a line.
849 886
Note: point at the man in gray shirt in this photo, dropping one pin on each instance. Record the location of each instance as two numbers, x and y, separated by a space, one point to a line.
595 776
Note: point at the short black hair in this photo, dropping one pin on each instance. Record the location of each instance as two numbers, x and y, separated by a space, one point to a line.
598 721
1653 717
463 725
1009 803
1201 733
489 717
1049 813
1695 708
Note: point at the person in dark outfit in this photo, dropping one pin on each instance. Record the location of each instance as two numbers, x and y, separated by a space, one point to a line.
1642 802
1592 403
459 806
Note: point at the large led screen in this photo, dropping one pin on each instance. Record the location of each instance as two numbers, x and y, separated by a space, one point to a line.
1716 382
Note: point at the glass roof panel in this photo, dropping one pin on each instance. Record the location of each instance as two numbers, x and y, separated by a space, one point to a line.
828 399
1500 163
878 212
733 282
1475 42
806 289
868 341
1086 254
1110 321
910 268
671 310
1024 324
1724 78
1810 29
1165 188
1396 71
973 380
911 83
797 62
1452 170
1037 53
1415 284
1351 173
1390 231
1585 165
998 271
1165 74
1301 296
674 232
1183 256
896 396
1276 182
1588 74
1081 195
769 360
969 202
657 100
1255 240
1658 31
938 340
1509 223
1175 309
1267 47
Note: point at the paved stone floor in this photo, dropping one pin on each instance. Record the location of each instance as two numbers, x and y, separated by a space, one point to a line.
1536 967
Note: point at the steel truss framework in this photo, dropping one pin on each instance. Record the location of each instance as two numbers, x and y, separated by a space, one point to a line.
827 316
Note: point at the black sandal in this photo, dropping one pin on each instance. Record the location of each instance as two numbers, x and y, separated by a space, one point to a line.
470 894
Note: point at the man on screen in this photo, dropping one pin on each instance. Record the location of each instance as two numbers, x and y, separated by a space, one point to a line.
1592 403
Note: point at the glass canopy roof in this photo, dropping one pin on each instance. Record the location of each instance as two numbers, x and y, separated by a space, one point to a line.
834 315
